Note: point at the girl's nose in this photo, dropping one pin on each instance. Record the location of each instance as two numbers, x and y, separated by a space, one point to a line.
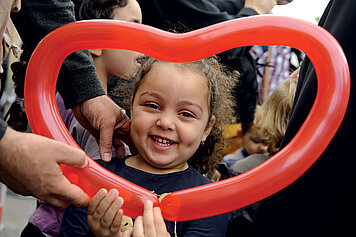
166 122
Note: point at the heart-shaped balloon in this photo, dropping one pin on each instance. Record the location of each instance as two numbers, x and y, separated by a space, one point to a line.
215 198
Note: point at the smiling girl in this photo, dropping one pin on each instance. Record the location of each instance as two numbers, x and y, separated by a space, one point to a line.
178 111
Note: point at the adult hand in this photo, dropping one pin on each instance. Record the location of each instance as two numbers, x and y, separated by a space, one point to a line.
29 165
107 122
260 6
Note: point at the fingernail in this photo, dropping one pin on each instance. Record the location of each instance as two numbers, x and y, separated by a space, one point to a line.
115 192
149 203
107 157
120 200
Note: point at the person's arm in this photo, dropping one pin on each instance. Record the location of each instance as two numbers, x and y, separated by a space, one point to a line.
230 6
198 14
77 81
29 165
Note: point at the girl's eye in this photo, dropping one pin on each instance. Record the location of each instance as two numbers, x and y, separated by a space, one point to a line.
187 114
151 105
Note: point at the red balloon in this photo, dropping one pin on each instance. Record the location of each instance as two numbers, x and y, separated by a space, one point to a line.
273 175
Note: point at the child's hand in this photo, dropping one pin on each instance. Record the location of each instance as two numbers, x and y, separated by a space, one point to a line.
150 225
105 213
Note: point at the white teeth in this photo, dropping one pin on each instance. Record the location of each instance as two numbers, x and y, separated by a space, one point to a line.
162 142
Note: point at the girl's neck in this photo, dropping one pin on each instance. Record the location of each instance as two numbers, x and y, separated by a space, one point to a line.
104 82
103 77
138 163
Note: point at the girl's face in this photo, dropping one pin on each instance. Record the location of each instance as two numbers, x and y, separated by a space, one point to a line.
120 62
170 117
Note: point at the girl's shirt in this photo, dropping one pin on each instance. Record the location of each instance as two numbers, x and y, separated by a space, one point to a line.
74 222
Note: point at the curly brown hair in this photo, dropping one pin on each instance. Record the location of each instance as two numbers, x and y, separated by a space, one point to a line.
220 82
96 9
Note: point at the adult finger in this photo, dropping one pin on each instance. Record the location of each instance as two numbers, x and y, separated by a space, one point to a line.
71 156
105 142
74 157
57 202
71 193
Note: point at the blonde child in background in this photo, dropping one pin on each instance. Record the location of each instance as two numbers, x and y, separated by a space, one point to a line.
251 145
45 220
271 122
175 132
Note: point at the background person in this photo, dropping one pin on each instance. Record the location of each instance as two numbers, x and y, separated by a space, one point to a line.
320 202
19 151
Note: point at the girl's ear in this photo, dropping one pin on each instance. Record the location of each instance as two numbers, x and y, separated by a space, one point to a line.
96 52
208 128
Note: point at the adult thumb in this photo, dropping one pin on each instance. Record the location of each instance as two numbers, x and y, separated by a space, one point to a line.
73 156
105 143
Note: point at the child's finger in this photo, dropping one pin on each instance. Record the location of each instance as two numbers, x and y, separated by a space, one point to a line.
116 222
96 200
128 233
104 206
148 219
110 213
138 227
109 216
160 225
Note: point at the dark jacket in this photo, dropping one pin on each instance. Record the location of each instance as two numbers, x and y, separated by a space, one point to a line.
77 79
322 201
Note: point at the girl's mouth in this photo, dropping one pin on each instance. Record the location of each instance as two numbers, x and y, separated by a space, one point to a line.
162 141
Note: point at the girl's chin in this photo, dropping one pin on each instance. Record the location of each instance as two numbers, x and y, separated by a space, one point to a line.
163 167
